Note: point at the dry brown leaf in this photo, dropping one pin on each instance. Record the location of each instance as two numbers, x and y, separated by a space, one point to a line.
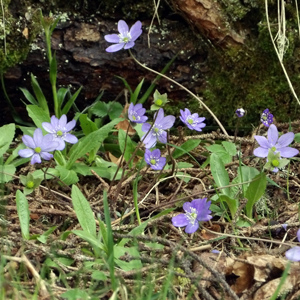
206 235
245 273
124 124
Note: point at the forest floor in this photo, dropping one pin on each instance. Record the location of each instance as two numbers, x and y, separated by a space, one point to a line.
249 262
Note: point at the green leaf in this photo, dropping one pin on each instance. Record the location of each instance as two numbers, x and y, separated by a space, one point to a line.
29 96
232 204
126 84
38 115
125 141
53 70
100 109
61 94
124 265
297 137
83 211
59 158
39 95
88 237
90 142
43 237
255 191
74 294
6 137
219 173
67 176
135 94
186 147
98 276
115 110
87 124
230 148
70 102
23 214
5 170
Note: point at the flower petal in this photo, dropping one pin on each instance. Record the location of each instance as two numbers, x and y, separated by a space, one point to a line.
54 122
28 141
38 137
136 30
261 152
293 254
191 228
146 127
298 235
180 220
46 155
35 159
26 152
272 135
187 206
70 138
285 140
163 137
62 122
167 122
288 152
262 141
115 47
48 127
70 125
112 38
123 27
129 45
156 153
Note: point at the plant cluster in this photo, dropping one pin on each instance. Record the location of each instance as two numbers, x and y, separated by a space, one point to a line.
140 140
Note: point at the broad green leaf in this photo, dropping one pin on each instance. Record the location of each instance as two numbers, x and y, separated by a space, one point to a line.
67 176
98 276
38 115
39 95
255 191
88 237
115 110
219 173
90 142
83 211
124 265
232 204
6 137
215 148
100 109
87 124
297 137
60 158
185 147
74 294
23 214
5 171
230 148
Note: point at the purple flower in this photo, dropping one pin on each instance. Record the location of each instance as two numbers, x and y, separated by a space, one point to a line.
293 254
192 121
59 129
136 113
39 146
157 132
125 39
277 145
240 112
266 117
195 212
284 226
154 160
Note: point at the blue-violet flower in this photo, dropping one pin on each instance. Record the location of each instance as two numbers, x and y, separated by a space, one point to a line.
136 113
39 146
154 160
192 121
275 144
157 132
266 117
293 254
195 212
59 129
125 39
240 112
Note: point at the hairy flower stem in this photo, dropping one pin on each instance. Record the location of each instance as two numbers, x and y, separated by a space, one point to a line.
184 88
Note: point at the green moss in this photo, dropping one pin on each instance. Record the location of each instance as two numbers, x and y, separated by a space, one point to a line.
14 41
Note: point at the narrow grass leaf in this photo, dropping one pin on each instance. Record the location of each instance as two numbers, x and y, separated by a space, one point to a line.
83 211
23 214
39 94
